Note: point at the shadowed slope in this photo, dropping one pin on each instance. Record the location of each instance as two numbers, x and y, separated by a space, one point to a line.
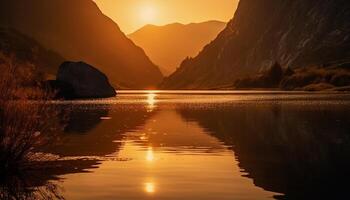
25 49
80 32
295 33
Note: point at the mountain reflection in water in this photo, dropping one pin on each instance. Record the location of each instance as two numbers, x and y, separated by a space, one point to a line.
208 145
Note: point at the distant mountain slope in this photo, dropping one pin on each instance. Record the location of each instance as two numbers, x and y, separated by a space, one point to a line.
27 50
80 32
295 33
169 45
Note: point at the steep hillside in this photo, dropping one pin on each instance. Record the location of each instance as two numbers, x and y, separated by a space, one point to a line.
294 33
27 50
169 45
80 32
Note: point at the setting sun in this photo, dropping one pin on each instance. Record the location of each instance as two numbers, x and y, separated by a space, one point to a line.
131 15
148 13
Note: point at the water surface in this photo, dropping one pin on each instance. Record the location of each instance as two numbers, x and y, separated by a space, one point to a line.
207 145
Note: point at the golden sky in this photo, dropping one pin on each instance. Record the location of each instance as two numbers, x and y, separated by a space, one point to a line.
133 14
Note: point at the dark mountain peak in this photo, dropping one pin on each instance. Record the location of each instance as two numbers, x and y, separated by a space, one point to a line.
78 30
296 33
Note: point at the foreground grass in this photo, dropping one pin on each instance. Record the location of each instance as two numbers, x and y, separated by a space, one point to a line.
24 125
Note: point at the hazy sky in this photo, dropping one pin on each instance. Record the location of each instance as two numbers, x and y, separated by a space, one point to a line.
133 14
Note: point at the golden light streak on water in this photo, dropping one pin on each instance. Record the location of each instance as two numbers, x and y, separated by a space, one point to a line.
150 187
151 101
150 154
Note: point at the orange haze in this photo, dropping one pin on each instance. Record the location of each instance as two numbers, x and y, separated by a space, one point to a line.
133 14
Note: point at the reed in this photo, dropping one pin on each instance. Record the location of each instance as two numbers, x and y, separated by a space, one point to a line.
25 124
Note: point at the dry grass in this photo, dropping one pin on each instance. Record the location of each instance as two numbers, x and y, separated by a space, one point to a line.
17 188
316 78
24 124
268 79
312 78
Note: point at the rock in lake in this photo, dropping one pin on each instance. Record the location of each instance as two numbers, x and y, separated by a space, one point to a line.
81 80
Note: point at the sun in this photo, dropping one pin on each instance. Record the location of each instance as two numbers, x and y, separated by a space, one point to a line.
147 13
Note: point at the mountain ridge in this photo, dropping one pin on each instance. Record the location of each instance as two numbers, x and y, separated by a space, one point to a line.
293 33
79 31
167 45
178 23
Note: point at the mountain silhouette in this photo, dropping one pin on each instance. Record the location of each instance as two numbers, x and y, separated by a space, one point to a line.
294 33
79 31
168 45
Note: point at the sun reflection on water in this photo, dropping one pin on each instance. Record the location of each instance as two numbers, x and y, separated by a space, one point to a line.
150 154
150 187
151 101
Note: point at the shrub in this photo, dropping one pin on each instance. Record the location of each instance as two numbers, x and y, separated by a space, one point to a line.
341 79
269 79
22 122
32 188
274 75
310 78
325 77
299 80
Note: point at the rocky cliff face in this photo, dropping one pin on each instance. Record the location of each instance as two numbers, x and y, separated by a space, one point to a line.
168 45
80 32
295 33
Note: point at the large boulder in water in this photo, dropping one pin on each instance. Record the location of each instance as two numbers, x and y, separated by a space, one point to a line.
83 81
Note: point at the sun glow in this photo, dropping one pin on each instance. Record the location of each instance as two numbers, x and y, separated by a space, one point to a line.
148 13
131 15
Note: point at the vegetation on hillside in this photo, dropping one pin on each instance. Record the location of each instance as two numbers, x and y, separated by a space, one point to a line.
297 33
333 77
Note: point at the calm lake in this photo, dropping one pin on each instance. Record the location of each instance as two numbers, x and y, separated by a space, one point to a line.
206 145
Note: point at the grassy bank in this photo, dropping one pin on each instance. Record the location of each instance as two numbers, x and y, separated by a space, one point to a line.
314 78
